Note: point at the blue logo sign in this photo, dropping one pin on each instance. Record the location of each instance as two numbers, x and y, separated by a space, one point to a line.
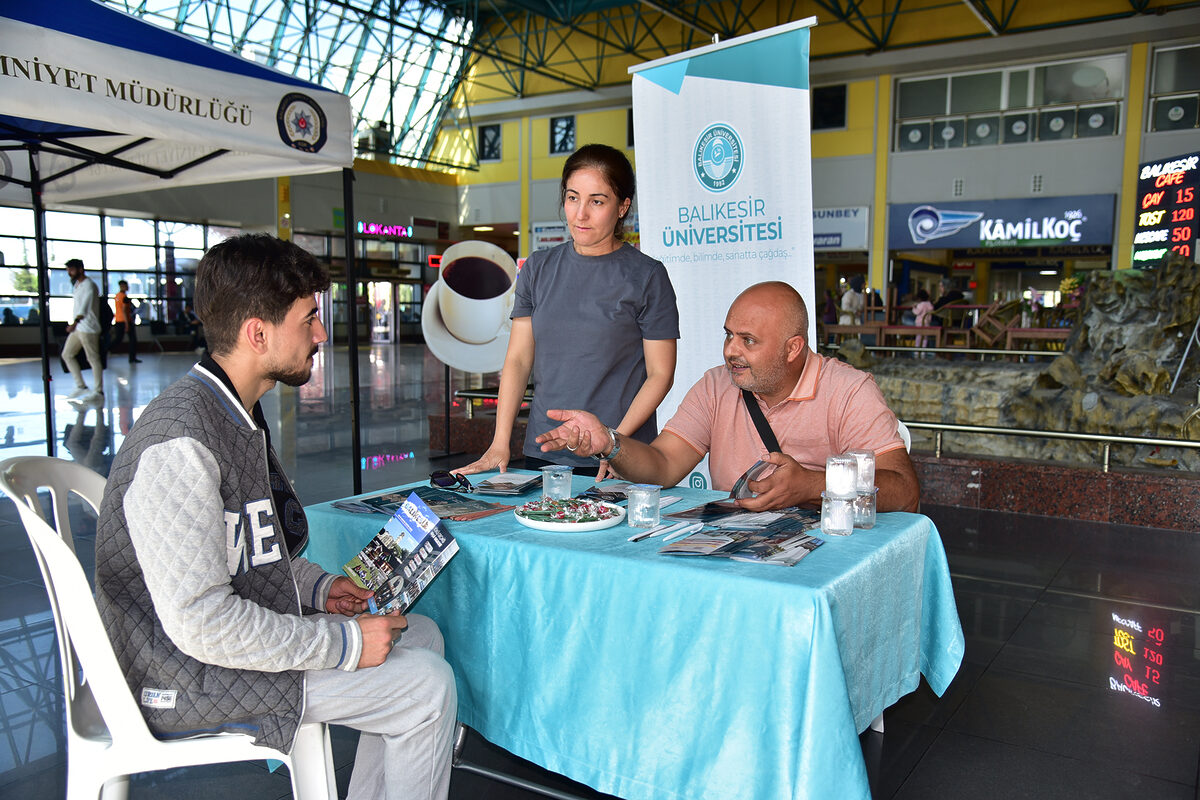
718 157
697 481
926 223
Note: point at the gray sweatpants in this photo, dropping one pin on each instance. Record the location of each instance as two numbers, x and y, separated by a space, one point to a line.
405 709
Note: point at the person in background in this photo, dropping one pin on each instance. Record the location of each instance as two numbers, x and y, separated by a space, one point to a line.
594 321
195 327
829 314
949 294
10 318
853 303
815 406
125 320
217 621
922 311
83 333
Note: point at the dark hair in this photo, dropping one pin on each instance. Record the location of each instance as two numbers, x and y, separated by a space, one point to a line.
252 276
612 164
856 283
74 262
922 294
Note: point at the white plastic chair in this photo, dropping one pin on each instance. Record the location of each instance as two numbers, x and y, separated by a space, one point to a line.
107 737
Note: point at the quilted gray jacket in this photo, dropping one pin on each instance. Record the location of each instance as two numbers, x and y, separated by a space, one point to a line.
202 602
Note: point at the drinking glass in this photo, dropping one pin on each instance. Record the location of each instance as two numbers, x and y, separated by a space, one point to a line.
643 505
837 514
556 482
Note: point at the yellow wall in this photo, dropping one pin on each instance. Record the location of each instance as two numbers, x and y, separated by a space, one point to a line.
858 138
1135 113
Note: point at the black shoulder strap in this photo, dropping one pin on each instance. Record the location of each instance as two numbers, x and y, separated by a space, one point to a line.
760 421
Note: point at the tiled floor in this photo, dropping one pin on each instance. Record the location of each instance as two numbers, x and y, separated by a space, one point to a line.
1034 711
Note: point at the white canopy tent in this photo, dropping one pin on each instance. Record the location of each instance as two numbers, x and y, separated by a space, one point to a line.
96 102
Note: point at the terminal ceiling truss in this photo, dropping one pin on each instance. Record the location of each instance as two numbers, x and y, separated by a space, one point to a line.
400 61
405 62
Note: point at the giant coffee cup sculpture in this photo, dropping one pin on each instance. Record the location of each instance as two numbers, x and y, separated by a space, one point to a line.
465 318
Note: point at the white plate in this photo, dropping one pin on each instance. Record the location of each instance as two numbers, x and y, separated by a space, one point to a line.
574 527
449 349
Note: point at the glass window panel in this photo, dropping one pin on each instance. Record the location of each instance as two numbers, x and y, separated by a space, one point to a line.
562 135
20 308
1177 70
60 283
128 230
185 257
62 225
16 221
1018 89
979 92
18 280
128 256
141 284
60 252
219 233
829 107
489 143
310 242
1079 81
380 248
181 234
14 251
925 98
410 253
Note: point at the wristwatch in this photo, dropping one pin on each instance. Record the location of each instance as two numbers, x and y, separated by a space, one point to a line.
613 437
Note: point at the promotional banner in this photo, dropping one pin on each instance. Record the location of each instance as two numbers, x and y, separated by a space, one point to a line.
724 177
1025 222
166 100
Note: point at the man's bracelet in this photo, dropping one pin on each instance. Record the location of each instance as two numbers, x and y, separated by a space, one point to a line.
614 448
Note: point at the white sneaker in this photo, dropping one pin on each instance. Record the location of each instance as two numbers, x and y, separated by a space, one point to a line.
90 398
80 391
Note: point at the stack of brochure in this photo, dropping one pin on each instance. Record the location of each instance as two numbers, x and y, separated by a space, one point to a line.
403 558
509 483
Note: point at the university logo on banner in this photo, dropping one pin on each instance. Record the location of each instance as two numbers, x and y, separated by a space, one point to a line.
718 157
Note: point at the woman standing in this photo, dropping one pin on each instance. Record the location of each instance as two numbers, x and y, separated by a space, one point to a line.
594 321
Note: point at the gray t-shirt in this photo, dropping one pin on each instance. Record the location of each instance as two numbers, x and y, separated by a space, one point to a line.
590 315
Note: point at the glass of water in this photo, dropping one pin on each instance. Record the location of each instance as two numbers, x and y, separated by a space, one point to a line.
643 505
556 482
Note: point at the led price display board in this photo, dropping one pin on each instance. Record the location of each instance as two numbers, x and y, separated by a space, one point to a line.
1168 194
1138 659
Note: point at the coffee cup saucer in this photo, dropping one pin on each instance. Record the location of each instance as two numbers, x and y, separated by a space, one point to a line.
450 350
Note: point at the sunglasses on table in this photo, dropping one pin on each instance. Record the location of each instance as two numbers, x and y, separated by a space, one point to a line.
444 479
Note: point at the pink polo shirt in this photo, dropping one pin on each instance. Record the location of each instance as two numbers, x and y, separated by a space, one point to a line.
834 408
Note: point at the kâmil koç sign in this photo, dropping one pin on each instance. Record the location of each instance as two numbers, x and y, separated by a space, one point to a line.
1026 222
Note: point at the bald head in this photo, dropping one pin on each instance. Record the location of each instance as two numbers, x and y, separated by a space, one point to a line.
777 301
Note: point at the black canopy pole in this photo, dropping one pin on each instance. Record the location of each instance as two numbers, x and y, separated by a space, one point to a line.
352 316
39 237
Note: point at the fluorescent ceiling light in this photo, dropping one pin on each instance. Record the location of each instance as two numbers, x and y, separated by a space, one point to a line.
1043 272
483 228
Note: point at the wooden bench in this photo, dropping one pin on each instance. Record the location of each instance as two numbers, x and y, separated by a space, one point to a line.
902 331
1035 334
841 331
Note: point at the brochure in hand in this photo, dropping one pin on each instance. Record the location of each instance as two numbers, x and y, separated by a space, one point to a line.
403 558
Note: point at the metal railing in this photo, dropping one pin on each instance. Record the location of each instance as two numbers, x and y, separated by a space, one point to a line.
940 428
1107 439
971 351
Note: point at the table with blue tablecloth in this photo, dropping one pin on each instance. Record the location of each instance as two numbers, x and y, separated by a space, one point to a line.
649 676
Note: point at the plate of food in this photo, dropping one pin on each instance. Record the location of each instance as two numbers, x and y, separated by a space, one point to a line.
573 515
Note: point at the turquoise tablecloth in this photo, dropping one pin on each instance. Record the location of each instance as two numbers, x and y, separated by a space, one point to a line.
652 677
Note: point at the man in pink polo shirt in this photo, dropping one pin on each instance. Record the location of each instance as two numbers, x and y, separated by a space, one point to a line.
816 407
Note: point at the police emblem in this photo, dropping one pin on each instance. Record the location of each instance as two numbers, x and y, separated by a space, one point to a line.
718 157
301 123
